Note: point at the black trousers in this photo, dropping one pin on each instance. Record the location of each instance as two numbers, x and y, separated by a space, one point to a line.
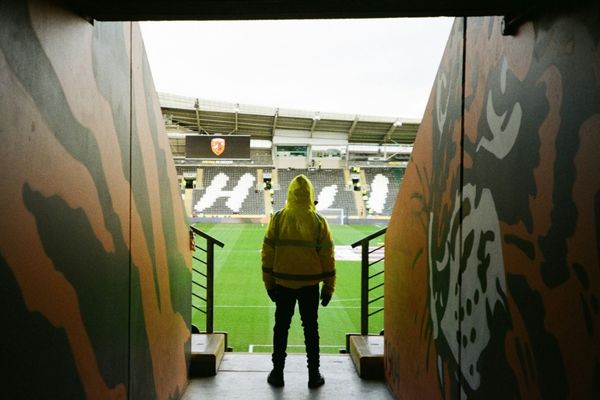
308 303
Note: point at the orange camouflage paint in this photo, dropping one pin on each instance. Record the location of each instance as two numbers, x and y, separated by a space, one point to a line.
94 257
492 252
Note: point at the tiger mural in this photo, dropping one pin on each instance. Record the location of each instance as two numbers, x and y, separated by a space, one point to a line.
94 251
492 267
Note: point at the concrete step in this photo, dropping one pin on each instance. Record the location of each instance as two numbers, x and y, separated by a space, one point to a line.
367 355
207 353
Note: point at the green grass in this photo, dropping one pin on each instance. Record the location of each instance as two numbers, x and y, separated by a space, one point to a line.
243 309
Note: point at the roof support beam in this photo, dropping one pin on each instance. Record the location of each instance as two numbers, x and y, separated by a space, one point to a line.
351 130
237 111
274 122
315 119
388 135
197 107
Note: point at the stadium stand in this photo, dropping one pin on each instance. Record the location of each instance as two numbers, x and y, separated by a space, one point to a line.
227 191
383 186
233 190
285 142
329 189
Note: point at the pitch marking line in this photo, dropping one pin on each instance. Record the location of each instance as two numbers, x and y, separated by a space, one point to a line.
252 346
347 253
333 301
341 252
273 306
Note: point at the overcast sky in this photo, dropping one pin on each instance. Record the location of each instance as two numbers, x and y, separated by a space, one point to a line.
370 67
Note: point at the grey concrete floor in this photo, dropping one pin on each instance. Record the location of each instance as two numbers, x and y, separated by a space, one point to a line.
244 376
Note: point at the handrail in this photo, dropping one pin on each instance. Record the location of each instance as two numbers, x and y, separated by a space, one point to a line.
207 236
365 277
209 263
371 236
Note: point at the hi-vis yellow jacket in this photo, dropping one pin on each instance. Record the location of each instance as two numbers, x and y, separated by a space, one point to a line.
298 249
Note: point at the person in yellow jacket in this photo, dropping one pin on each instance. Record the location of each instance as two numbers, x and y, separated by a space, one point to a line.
297 254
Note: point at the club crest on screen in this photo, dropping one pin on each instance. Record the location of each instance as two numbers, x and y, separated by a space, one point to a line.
217 146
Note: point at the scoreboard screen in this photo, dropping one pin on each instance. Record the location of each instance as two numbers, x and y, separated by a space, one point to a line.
222 147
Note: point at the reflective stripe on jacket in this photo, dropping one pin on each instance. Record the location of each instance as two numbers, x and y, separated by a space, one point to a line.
298 248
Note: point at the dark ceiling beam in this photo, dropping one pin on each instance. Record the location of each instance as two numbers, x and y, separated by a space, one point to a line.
138 10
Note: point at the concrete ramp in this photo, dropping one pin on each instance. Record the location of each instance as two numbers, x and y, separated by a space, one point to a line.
244 376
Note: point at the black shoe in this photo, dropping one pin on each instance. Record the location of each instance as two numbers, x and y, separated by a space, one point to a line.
276 378
315 381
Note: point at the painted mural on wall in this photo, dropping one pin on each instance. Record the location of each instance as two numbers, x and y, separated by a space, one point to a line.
94 258
494 248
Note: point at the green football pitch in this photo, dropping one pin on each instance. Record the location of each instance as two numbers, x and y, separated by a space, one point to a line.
243 309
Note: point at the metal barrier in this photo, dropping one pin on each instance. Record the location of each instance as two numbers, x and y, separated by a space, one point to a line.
204 278
366 276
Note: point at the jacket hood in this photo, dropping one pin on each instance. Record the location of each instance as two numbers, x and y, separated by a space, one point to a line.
301 194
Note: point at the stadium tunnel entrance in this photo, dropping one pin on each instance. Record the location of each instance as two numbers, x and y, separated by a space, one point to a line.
492 244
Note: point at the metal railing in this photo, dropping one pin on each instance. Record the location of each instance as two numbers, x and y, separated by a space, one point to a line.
366 276
204 277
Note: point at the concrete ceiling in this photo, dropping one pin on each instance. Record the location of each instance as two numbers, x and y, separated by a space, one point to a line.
138 10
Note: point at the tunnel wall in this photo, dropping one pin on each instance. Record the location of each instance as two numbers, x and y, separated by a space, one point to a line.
94 253
492 268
